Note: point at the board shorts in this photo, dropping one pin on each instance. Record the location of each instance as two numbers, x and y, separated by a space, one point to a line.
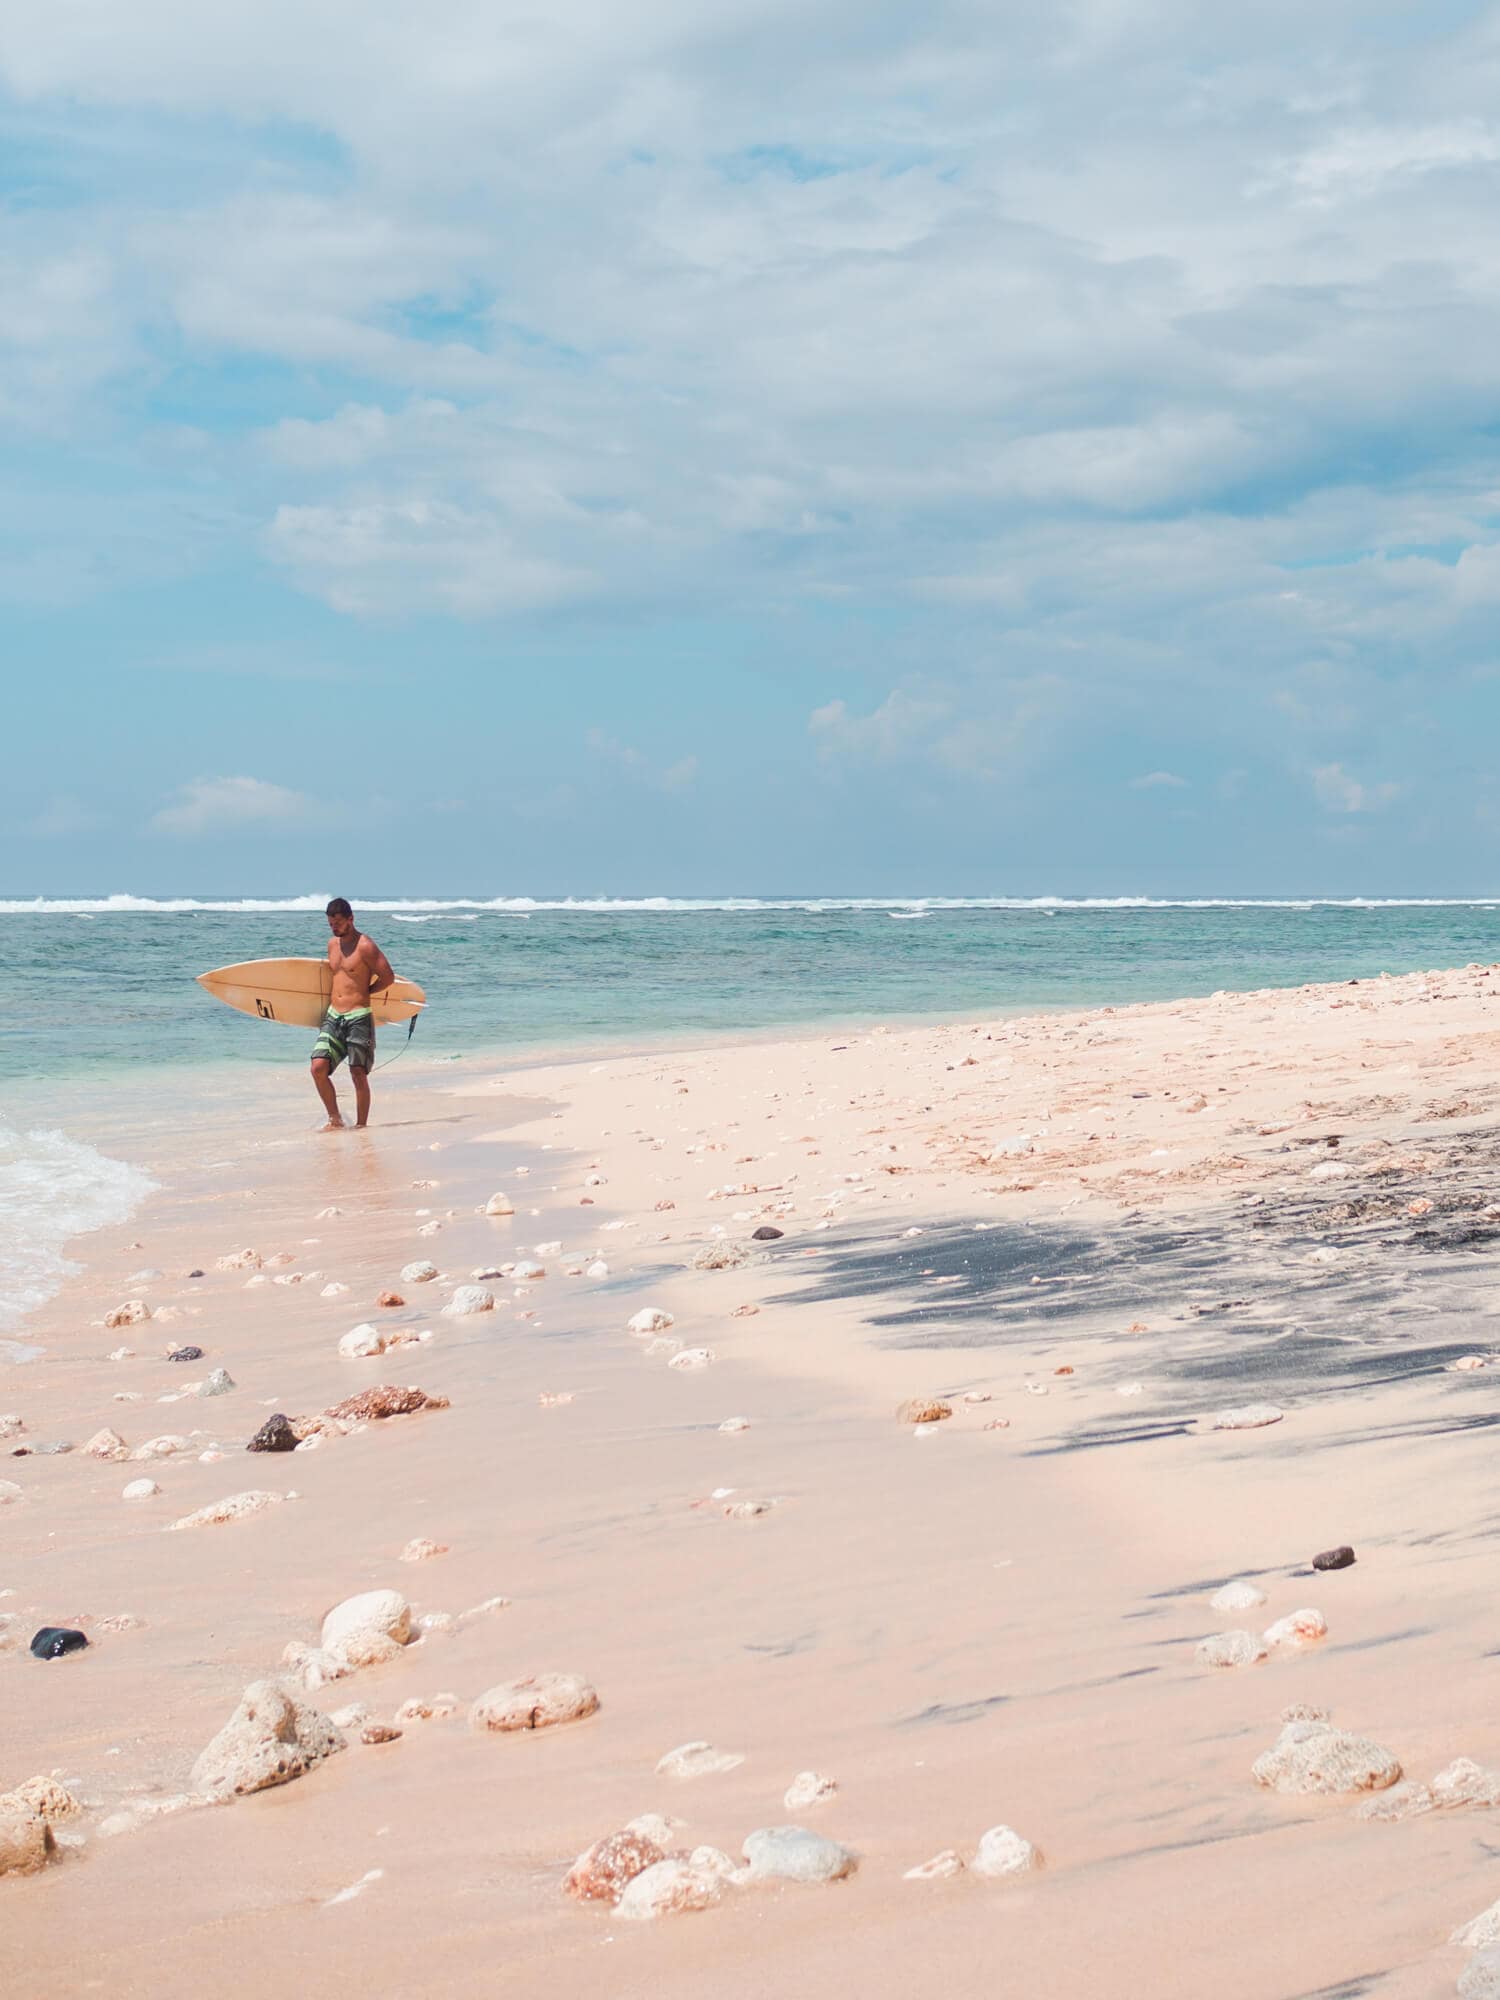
351 1035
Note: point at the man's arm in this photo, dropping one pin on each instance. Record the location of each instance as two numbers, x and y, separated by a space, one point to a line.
381 973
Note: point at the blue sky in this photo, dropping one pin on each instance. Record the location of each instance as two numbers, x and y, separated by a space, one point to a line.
750 449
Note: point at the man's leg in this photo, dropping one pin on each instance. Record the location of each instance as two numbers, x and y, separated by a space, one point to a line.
361 1081
323 1084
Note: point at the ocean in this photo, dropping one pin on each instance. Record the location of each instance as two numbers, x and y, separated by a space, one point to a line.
101 1023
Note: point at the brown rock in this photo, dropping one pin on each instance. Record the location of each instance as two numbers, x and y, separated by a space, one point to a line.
923 1410
372 1405
26 1843
390 1299
540 1701
600 1873
379 1732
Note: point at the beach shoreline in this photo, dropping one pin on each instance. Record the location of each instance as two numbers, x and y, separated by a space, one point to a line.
1107 1223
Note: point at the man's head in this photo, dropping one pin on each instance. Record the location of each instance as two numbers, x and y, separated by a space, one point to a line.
340 917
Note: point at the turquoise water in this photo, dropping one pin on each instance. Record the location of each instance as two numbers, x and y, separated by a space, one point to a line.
91 991
107 1047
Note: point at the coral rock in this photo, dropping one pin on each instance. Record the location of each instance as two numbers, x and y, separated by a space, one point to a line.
1002 1852
923 1410
235 1508
1315 1757
720 1255
1229 1649
369 1628
600 1873
360 1343
239 1260
540 1701
697 1760
669 1888
270 1739
390 1299
422 1272
1465 1783
374 1405
793 1854
43 1796
1237 1596
1248 1417
379 1732
1481 1933
420 1549
650 1319
131 1313
692 1358
1297 1629
809 1788
938 1869
107 1444
467 1300
1480 1978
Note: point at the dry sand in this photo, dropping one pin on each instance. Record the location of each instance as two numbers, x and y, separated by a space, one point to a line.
1284 1198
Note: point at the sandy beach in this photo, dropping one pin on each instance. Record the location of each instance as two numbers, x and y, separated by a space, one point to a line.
1082 1238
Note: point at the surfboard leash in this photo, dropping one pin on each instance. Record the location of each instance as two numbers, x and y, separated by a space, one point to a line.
411 1029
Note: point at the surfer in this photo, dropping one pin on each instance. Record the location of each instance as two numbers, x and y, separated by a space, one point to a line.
360 970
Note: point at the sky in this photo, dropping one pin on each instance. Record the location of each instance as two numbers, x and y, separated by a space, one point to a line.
749 449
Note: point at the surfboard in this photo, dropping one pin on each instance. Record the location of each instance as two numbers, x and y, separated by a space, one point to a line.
295 990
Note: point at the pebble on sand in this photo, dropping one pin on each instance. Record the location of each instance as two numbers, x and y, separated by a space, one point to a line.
1230 1649
275 1434
141 1489
1002 1852
938 1869
499 1204
218 1382
186 1354
809 1788
692 1358
720 1255
1248 1417
1297 1629
390 1299
540 1701
422 1272
239 1260
131 1313
732 1425
55 1642
650 1319
234 1508
923 1410
361 1343
421 1549
1339 1558
1313 1757
1237 1596
107 1444
696 1760
367 1629
794 1854
469 1299
270 1739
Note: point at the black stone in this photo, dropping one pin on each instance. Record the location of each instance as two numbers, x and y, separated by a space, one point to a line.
55 1640
275 1434
1334 1558
186 1354
195 1274
766 1234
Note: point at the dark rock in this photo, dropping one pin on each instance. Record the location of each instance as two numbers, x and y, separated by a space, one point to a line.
195 1274
1334 1558
55 1640
186 1354
766 1234
275 1434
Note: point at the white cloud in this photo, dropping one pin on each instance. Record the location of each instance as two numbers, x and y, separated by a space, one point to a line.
633 763
1157 780
1338 791
223 805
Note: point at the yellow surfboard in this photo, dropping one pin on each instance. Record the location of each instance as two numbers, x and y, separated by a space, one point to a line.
296 990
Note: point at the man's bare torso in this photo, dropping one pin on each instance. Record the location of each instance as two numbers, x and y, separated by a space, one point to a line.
354 961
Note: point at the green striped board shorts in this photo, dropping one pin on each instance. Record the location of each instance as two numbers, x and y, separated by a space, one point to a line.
351 1035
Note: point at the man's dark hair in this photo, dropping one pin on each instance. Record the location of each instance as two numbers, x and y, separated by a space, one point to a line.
338 908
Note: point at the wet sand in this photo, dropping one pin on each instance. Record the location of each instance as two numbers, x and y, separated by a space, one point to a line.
964 1625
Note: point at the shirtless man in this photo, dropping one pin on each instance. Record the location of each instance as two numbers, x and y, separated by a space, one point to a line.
360 970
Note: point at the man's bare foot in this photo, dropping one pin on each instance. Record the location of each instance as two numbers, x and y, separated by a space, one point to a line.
335 1124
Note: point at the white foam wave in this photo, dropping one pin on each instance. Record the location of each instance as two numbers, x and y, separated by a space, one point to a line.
52 1189
407 907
